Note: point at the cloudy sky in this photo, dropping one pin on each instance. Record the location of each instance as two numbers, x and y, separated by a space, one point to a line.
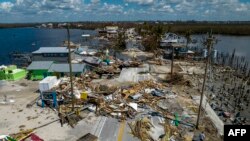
120 10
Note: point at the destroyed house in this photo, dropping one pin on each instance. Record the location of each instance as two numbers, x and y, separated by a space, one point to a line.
168 39
112 31
61 70
57 54
38 69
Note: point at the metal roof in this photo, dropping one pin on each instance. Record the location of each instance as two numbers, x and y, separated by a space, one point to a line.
65 67
40 65
51 50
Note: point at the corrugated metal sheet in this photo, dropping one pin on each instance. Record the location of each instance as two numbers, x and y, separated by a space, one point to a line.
65 67
51 50
40 65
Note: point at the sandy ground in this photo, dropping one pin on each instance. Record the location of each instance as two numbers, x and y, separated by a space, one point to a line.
163 69
191 68
16 117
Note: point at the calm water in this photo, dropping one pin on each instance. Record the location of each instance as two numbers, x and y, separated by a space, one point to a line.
228 43
30 39
21 39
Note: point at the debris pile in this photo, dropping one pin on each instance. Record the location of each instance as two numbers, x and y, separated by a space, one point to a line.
141 129
125 102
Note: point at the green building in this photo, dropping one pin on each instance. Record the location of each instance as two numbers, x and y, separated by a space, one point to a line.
39 69
12 73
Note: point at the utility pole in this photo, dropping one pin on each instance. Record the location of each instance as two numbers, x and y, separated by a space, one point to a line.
209 44
172 62
70 71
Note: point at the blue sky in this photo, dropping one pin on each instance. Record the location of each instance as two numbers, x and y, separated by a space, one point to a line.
122 10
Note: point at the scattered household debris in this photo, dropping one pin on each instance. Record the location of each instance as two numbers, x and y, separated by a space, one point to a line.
6 100
141 129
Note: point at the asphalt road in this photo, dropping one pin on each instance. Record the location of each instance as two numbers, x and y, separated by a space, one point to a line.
110 129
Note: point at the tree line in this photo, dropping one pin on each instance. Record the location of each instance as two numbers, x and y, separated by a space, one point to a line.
176 27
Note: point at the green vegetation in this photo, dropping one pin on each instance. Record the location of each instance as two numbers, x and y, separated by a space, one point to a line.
150 43
152 36
120 43
197 28
227 29
16 25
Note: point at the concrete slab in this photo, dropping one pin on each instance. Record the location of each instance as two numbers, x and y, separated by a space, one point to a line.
211 114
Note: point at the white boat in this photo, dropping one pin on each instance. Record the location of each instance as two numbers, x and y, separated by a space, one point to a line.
85 35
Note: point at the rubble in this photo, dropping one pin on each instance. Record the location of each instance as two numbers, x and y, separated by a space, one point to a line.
109 100
136 101
141 129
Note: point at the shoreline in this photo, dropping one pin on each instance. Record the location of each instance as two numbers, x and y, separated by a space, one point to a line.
231 29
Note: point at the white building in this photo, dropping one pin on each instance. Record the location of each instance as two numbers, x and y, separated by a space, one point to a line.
112 31
171 38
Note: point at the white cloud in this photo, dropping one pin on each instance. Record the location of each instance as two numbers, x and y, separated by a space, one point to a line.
6 6
168 8
18 2
242 7
183 9
95 1
111 8
162 8
207 12
46 6
141 2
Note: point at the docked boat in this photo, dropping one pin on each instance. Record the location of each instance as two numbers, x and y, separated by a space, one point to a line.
85 35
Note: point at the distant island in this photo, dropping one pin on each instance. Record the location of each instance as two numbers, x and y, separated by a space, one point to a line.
240 28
